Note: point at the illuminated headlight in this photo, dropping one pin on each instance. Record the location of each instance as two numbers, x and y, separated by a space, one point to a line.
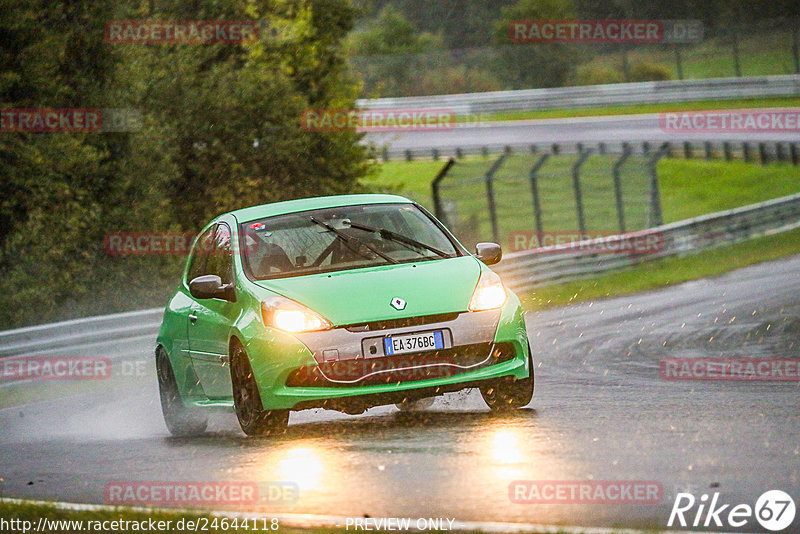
489 293
290 316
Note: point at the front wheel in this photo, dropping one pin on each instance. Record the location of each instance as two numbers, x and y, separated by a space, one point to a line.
180 420
510 393
253 418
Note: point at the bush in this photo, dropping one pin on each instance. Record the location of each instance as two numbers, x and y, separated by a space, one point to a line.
592 75
642 71
457 79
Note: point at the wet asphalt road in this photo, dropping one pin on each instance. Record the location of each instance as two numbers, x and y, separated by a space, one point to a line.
601 412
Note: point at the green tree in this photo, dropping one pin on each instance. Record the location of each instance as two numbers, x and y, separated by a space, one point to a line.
220 130
391 55
534 65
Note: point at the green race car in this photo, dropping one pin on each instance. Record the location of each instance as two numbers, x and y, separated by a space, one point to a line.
342 302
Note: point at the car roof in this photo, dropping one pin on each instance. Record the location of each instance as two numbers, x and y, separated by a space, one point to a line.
304 204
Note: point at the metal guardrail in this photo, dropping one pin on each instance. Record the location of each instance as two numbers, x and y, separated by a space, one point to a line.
597 95
80 331
526 270
520 270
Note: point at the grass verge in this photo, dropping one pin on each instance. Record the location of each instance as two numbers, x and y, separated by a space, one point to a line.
666 272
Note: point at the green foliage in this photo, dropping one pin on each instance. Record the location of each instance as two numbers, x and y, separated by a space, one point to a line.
457 79
400 48
220 130
534 65
645 71
596 75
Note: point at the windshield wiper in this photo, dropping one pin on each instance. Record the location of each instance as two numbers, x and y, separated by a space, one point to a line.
349 240
399 238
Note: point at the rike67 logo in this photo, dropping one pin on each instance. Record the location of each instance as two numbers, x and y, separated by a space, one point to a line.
774 510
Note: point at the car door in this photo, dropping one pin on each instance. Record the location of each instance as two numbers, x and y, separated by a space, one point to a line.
210 320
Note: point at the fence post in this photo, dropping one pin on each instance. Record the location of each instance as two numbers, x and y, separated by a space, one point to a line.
726 147
655 194
438 208
489 179
762 153
687 150
779 153
678 62
709 150
746 152
793 153
576 184
618 188
736 66
626 70
537 208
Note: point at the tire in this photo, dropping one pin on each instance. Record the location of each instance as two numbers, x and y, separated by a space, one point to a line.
180 420
253 418
510 393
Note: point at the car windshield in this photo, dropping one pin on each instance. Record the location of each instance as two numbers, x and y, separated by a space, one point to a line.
335 239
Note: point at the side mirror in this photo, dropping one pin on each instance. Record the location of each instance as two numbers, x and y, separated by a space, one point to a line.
488 253
210 286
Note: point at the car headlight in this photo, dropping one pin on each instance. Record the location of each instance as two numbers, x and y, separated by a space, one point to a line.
489 293
290 316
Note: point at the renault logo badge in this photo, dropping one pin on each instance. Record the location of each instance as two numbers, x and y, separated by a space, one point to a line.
398 303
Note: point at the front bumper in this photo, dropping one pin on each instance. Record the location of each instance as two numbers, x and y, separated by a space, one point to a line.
323 369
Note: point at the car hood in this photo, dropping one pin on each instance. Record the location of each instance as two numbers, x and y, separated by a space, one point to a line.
364 295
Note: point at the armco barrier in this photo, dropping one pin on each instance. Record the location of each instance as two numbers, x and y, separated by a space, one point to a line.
598 95
527 269
80 331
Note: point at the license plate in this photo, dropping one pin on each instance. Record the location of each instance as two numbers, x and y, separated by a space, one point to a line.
413 342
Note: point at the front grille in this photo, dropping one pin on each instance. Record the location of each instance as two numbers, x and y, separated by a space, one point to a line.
400 368
402 323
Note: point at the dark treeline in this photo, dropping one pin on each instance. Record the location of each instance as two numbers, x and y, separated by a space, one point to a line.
470 23
416 47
